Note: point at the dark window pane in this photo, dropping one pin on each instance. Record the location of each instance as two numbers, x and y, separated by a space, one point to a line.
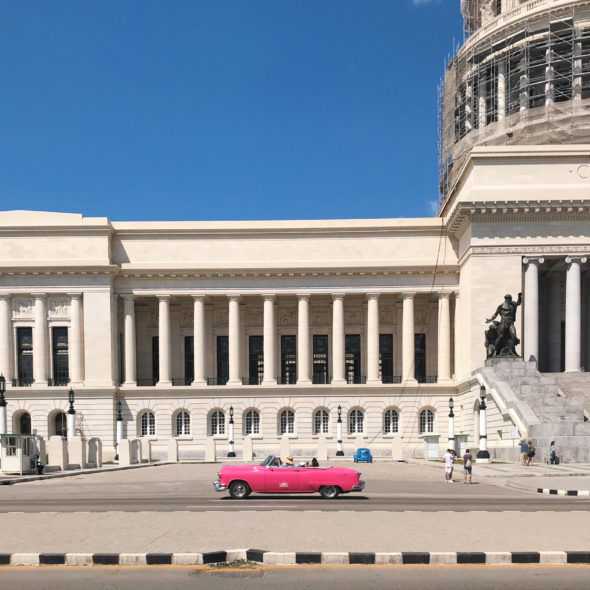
25 354
420 357
320 358
386 358
353 358
155 359
61 375
189 359
222 360
256 360
288 359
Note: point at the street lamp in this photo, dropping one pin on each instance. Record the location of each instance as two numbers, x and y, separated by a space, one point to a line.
231 453
119 428
451 424
339 451
71 416
482 456
2 405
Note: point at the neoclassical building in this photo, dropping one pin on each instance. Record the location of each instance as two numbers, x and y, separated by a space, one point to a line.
290 328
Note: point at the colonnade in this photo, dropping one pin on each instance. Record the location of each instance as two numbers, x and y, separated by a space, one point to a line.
269 339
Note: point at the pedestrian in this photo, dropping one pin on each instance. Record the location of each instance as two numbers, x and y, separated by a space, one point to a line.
552 457
448 458
530 453
524 450
467 466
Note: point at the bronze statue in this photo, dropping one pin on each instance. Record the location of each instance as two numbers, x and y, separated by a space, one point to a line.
501 339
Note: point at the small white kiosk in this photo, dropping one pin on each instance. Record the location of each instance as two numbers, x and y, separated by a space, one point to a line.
18 454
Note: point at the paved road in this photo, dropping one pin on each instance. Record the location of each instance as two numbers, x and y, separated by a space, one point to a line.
408 578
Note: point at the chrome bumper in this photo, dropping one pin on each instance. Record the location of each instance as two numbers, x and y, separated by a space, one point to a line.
219 487
360 487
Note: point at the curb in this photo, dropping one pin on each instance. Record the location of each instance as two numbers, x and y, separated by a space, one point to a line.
563 492
296 558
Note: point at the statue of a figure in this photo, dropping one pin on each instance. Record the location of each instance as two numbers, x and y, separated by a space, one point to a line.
501 337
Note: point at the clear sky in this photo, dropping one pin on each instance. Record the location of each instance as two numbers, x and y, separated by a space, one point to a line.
222 109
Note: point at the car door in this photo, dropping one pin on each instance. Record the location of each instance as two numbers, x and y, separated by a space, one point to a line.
282 479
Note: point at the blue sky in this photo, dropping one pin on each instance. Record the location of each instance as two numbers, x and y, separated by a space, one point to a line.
222 109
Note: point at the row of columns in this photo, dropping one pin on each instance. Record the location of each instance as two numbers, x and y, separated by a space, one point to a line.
573 313
41 339
269 344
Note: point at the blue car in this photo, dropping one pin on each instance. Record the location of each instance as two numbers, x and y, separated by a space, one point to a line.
363 455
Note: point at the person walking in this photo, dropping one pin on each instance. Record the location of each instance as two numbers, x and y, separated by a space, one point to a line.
467 466
552 453
530 453
524 451
448 458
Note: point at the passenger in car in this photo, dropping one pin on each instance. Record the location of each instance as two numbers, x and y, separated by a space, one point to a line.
287 461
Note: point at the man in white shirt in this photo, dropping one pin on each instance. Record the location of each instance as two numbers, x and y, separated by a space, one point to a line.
449 457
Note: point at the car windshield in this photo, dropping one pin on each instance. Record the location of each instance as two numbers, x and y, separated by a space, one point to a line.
267 461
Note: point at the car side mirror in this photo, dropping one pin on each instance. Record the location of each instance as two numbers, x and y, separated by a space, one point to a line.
270 468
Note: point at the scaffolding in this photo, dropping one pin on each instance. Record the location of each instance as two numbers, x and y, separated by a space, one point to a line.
529 83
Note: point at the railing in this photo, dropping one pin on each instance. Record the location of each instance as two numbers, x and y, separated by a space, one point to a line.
146 382
321 379
58 382
215 381
390 379
356 379
252 380
181 381
426 378
26 382
286 380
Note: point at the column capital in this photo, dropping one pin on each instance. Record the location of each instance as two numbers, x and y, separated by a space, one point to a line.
579 259
408 294
304 296
39 295
202 298
75 295
444 294
127 296
163 297
237 298
533 260
5 296
269 296
372 295
338 296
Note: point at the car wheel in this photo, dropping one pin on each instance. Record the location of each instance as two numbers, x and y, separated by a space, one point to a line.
329 492
239 490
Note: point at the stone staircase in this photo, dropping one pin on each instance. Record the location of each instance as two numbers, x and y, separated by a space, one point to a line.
576 384
548 406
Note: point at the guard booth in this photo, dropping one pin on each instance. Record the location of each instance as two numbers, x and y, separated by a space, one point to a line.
18 454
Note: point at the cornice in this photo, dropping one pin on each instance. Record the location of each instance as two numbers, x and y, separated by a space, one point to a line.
20 270
524 250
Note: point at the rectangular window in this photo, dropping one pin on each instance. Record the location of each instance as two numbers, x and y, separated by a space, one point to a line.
222 360
352 345
320 359
24 338
289 359
420 357
256 360
189 359
61 373
386 358
155 359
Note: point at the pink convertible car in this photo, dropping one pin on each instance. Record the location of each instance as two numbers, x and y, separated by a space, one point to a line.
242 480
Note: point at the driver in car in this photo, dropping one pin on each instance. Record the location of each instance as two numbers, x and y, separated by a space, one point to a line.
287 461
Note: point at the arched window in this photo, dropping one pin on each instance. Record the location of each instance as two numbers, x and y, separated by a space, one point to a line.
391 422
426 421
217 423
183 423
60 424
320 422
148 424
252 422
355 422
287 422
25 423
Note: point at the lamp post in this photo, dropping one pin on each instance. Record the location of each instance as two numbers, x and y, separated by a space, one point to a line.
231 453
451 424
482 456
2 405
119 428
339 451
71 416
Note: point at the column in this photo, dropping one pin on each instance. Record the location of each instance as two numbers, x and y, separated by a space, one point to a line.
444 338
130 354
303 339
270 374
408 337
199 340
234 340
5 338
164 343
457 341
75 344
469 106
577 72
573 314
482 113
554 322
338 350
549 75
373 338
531 308
40 340
501 96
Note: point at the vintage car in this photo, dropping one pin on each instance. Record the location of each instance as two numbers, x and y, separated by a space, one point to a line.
363 454
268 477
